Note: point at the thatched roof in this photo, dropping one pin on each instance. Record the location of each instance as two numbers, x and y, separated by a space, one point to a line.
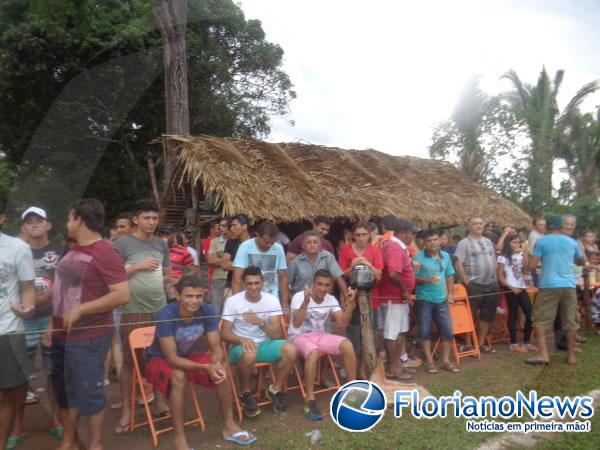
292 182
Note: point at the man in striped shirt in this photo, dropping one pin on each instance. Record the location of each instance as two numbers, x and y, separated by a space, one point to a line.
182 261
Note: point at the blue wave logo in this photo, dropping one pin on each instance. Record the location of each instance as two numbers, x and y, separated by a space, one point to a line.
358 406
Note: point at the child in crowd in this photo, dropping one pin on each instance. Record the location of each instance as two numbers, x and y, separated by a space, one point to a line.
512 264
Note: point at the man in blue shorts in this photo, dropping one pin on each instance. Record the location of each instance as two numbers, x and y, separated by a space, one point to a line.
252 326
90 283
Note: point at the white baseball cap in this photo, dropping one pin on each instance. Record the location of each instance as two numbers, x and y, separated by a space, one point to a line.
34 210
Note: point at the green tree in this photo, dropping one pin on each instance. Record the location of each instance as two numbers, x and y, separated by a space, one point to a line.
480 130
82 91
579 146
536 107
461 135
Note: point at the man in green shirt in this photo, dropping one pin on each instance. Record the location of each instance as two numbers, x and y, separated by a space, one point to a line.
148 266
435 285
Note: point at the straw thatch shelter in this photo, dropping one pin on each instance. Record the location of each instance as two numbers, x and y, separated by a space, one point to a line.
293 182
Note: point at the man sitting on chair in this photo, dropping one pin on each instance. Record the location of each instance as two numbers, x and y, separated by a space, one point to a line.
252 325
310 310
172 362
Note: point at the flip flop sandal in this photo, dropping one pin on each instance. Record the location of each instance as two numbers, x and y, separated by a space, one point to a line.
56 432
430 368
121 430
235 437
14 442
161 414
400 377
536 362
451 368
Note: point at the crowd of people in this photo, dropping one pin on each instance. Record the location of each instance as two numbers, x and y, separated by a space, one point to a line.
269 299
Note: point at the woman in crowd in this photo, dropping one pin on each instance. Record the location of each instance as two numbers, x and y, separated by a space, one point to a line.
512 264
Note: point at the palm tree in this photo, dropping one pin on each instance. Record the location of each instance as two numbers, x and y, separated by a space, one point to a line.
537 108
579 146
461 135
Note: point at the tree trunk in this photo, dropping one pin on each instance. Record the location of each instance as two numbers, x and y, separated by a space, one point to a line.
587 300
540 178
369 353
171 19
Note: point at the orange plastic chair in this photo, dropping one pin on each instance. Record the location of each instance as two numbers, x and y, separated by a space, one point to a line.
139 339
260 384
328 360
462 323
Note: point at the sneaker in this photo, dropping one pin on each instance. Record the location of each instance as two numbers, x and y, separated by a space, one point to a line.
251 409
31 398
312 411
279 405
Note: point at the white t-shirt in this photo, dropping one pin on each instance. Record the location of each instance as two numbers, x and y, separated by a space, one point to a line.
194 254
513 270
237 305
315 316
16 266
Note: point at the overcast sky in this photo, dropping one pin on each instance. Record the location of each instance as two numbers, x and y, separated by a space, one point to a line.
382 74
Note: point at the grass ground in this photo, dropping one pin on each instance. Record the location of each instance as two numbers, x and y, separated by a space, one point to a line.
501 374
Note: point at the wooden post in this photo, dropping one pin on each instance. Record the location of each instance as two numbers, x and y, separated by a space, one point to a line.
587 300
369 352
153 182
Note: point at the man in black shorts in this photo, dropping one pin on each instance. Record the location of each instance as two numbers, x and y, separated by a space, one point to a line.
476 268
17 300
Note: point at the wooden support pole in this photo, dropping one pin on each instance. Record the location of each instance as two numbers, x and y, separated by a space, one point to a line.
153 182
369 352
587 300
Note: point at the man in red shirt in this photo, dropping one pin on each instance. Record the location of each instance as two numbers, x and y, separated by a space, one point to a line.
90 283
396 286
182 261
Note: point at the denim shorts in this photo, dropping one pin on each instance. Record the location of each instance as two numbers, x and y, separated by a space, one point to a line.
438 313
78 373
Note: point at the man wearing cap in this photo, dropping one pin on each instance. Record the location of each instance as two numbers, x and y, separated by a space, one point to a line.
46 255
476 268
557 254
396 286
17 301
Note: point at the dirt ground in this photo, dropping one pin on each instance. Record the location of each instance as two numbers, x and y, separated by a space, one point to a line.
37 419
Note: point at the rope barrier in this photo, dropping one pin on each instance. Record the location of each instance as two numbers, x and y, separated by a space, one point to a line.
214 316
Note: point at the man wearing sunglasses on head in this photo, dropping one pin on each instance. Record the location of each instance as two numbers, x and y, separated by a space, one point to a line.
476 268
